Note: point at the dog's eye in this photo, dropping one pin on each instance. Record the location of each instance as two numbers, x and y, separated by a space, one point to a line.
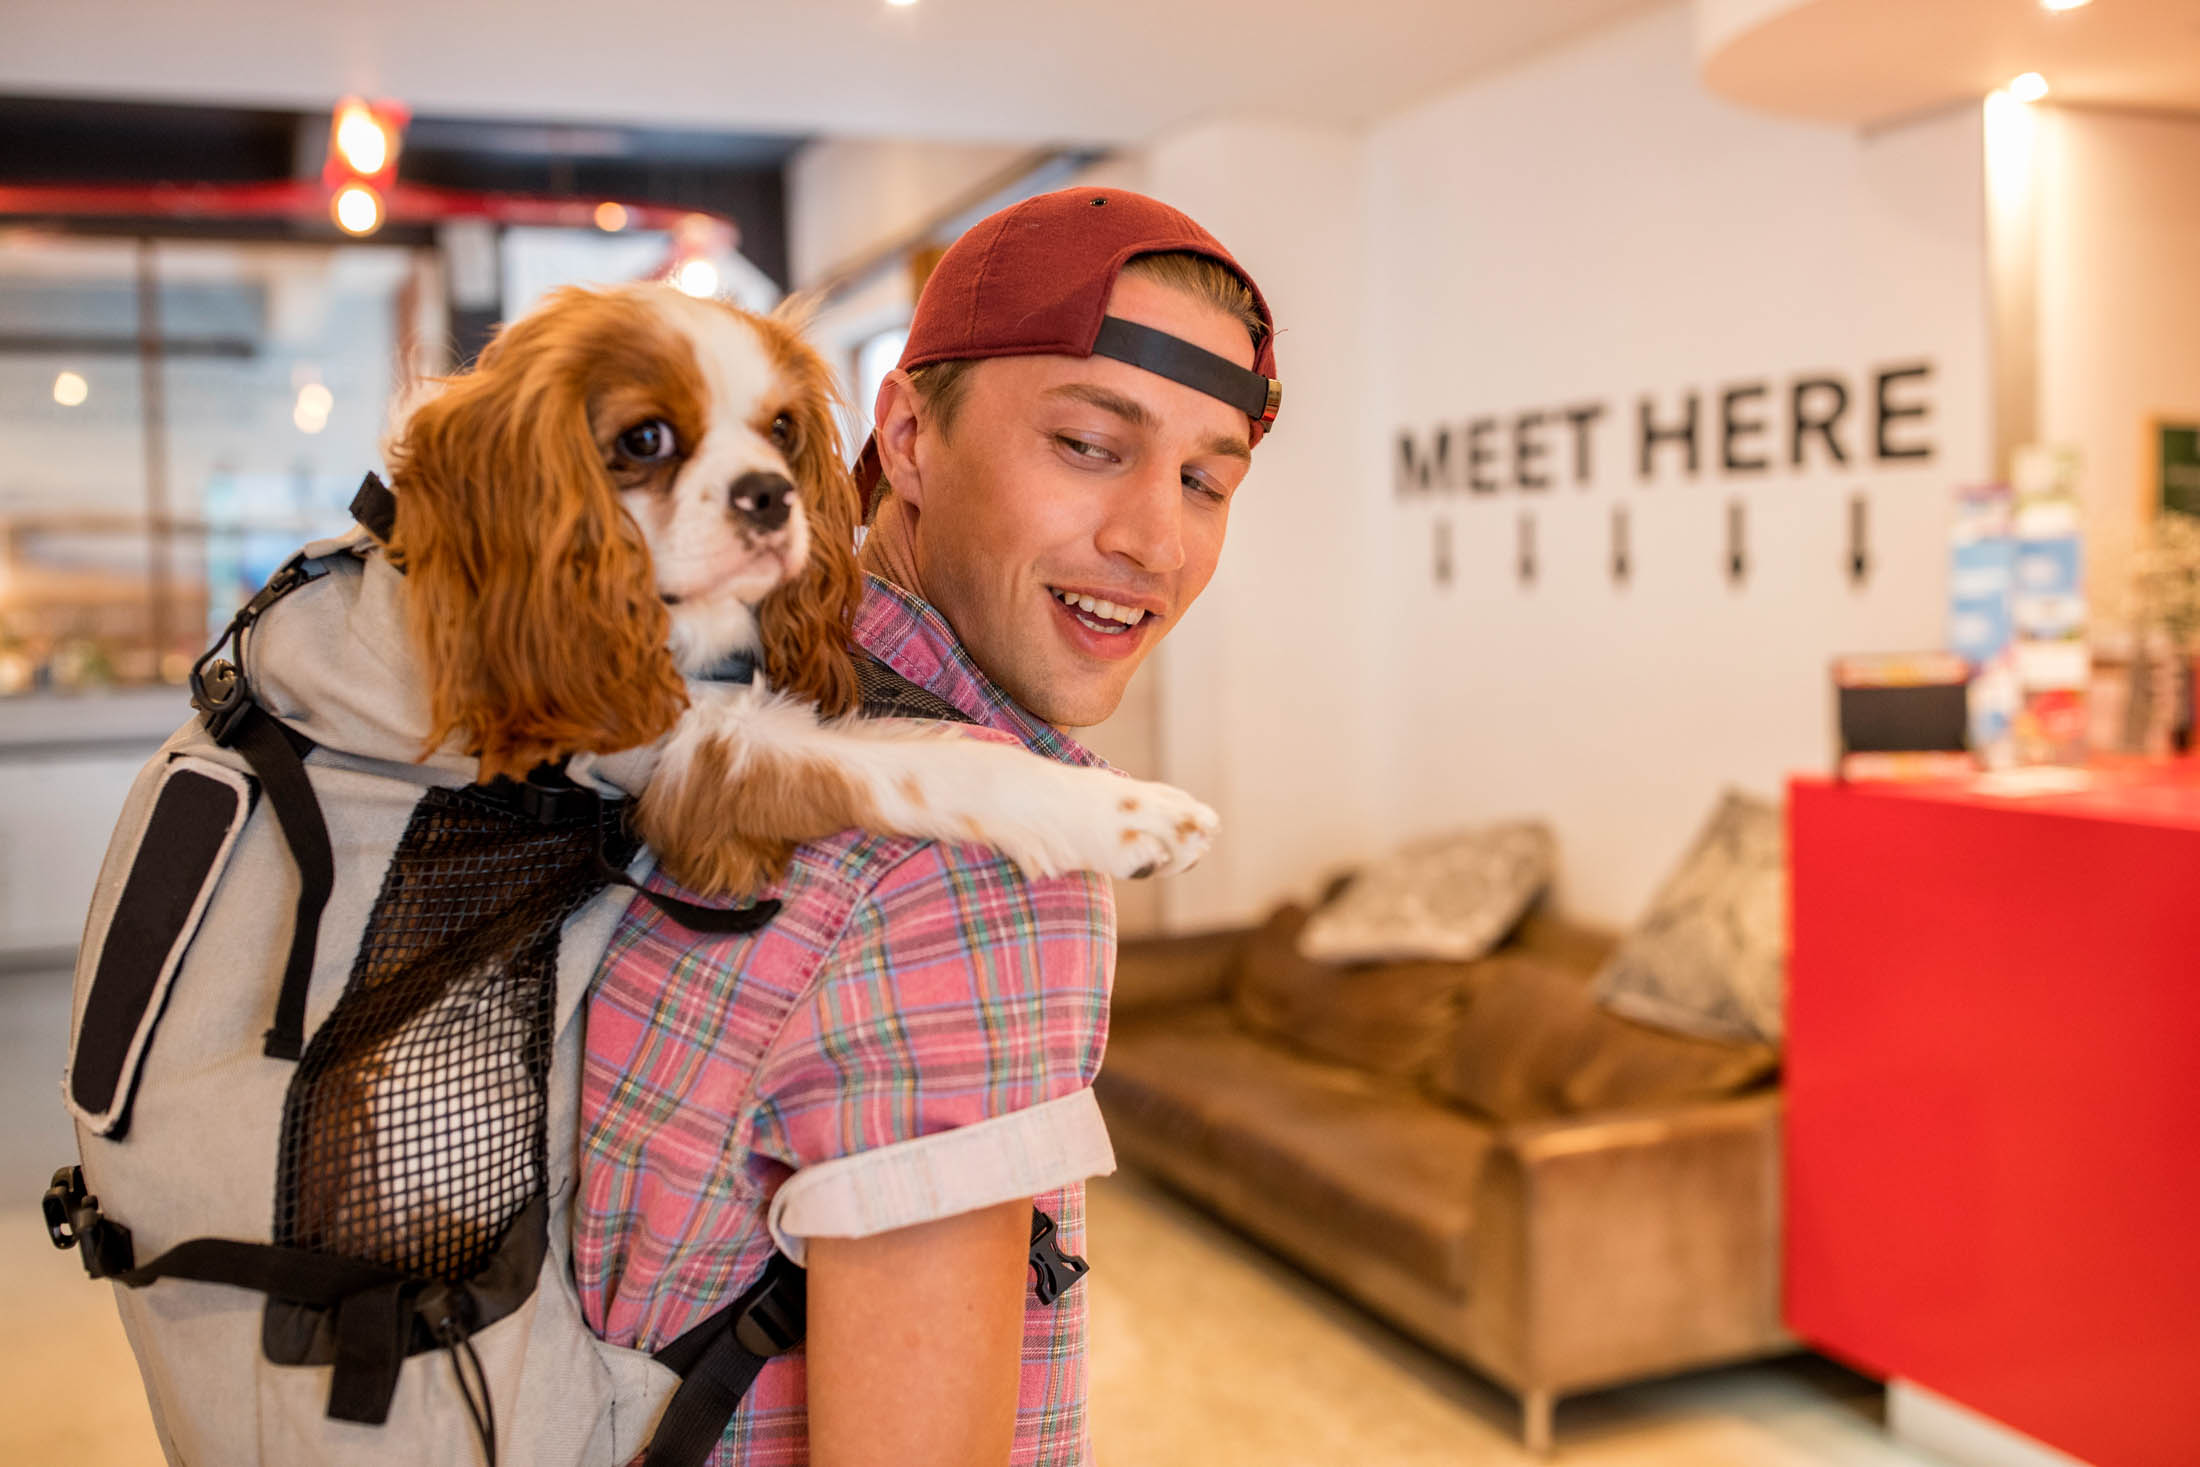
648 442
783 432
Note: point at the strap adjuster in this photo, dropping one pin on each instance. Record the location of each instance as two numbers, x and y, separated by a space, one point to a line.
222 697
73 1220
776 1320
218 687
1055 1273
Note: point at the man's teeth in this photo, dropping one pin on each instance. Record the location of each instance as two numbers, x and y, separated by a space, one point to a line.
1093 606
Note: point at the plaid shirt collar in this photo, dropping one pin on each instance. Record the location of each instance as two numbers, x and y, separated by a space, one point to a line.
906 634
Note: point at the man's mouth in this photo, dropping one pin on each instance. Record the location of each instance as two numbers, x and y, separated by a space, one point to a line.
1104 617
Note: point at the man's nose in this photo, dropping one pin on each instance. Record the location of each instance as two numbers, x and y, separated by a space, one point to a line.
762 501
1145 523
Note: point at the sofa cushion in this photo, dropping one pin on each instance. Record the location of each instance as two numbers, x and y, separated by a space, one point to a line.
1390 1018
1451 897
1382 1168
1533 1043
1710 957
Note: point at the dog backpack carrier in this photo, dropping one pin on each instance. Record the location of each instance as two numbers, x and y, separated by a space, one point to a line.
324 1066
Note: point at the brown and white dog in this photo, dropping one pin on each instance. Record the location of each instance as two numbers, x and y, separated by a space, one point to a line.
632 485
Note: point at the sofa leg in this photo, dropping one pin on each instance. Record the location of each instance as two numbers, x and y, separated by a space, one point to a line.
1535 1420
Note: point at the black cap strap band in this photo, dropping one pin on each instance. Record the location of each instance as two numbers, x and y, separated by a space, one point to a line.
1178 360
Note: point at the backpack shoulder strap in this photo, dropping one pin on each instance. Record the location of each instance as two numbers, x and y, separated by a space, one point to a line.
276 753
718 1360
887 694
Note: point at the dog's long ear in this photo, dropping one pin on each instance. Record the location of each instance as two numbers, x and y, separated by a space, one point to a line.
529 589
805 623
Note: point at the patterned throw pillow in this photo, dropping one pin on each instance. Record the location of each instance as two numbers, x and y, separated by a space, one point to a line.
1452 896
1710 958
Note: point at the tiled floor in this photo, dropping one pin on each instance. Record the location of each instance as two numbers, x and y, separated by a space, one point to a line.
1207 1352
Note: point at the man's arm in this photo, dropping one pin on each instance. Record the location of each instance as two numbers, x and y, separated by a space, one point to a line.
915 1342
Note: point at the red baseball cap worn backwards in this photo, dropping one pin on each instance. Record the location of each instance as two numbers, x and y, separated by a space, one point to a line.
1034 280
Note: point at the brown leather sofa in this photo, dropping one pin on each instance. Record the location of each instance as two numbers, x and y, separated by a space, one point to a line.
1559 1198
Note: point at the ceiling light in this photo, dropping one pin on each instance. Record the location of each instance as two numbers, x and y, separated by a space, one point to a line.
610 218
697 277
361 140
357 208
2029 87
2056 6
904 4
70 390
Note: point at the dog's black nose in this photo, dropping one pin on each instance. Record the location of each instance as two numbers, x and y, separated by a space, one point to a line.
762 501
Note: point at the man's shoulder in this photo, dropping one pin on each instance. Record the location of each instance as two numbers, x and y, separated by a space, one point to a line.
901 872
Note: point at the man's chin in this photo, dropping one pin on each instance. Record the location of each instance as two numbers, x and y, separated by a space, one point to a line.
1076 699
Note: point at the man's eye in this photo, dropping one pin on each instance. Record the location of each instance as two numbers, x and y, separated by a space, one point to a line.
1082 449
1204 489
782 432
650 442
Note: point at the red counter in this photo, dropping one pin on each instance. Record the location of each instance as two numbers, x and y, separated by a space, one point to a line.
1993 1100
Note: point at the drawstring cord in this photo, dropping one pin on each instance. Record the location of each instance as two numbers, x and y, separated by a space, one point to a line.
451 1330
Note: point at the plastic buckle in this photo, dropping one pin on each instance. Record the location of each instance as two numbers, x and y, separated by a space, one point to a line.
776 1319
63 1196
222 698
73 1220
1056 1272
547 797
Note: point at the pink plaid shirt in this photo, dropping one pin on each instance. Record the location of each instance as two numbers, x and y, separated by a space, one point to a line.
741 1087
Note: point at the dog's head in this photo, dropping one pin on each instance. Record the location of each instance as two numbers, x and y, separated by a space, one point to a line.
630 484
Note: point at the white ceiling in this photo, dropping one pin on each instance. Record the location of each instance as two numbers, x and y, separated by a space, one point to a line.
1113 71
1871 61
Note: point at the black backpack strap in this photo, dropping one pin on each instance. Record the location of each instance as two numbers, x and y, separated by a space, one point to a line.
718 1360
550 794
276 753
375 507
887 694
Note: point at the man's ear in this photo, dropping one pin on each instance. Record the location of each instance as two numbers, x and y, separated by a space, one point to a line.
898 414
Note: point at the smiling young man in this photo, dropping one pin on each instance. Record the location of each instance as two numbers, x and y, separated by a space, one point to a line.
887 1080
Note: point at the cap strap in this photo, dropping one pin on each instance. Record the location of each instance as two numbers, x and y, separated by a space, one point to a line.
1201 370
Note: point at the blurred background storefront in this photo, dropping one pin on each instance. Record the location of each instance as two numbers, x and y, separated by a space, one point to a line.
1637 354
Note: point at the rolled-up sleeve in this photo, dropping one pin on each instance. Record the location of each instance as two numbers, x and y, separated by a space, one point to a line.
943 1060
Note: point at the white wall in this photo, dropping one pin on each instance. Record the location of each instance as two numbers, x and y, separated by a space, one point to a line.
1268 707
848 195
1591 228
2118 250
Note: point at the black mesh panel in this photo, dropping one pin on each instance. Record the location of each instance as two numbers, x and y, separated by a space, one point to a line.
413 1132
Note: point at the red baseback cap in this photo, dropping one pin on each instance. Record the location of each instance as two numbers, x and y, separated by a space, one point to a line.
1034 279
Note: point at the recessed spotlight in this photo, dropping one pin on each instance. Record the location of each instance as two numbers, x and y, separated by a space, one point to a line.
70 390
2058 6
901 4
2029 87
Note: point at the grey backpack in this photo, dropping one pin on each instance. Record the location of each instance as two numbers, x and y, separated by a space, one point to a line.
324 1066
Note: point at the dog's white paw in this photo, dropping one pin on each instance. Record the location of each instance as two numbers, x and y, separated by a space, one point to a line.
1159 828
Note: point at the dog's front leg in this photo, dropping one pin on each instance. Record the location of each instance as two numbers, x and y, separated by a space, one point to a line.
747 776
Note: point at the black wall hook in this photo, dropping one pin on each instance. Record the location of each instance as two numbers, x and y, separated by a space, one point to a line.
1860 555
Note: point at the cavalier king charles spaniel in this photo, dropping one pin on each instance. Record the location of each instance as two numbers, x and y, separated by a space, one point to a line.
632 486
